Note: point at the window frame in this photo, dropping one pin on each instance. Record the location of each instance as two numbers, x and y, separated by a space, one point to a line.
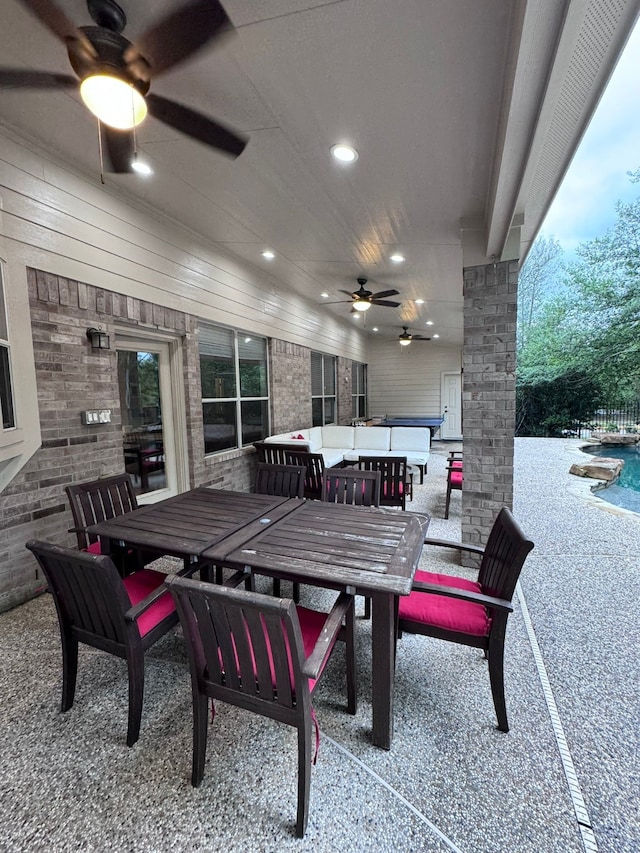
324 397
359 373
5 346
237 399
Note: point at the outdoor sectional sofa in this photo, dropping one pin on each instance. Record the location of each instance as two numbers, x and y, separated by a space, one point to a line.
345 444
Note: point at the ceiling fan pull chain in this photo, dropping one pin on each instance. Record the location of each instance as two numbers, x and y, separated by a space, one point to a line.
100 150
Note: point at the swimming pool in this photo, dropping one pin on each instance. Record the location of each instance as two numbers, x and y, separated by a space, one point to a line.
625 492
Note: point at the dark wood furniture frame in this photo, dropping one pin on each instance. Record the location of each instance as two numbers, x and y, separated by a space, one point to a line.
247 649
288 482
454 465
93 608
286 454
351 486
502 561
394 479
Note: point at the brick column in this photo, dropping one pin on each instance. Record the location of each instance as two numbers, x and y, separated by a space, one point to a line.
489 393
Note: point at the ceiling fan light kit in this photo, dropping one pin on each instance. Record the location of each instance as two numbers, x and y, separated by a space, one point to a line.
116 103
361 305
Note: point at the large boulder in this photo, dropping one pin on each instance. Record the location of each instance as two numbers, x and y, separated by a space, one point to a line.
598 468
616 437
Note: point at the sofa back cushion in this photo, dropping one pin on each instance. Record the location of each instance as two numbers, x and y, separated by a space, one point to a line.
337 436
410 438
371 438
315 438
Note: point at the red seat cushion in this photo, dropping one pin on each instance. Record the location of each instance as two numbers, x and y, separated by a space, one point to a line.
452 614
139 585
456 463
455 478
311 624
94 548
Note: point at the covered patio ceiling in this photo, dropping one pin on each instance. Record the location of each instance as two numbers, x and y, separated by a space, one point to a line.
465 115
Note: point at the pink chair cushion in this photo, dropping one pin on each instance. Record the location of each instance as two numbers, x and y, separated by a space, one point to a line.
456 463
452 614
94 548
455 478
385 485
139 585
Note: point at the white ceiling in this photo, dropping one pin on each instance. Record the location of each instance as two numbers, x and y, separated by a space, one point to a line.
444 99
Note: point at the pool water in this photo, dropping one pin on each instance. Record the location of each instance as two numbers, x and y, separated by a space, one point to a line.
625 492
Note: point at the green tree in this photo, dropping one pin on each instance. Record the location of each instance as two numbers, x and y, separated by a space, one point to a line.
537 282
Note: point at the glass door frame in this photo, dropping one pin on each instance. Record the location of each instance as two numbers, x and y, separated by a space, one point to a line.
168 348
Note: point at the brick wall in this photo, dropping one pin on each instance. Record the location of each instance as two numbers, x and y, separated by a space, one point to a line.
489 391
71 377
343 389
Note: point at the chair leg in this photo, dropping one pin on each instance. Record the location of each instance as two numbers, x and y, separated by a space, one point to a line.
496 677
200 721
296 592
446 505
277 588
135 665
367 607
69 669
350 652
304 774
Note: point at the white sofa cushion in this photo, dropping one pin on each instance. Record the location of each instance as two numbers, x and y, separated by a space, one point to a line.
337 437
371 438
410 438
332 456
315 438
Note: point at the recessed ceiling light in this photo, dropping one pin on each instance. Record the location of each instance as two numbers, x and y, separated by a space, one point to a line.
436 336
141 167
375 329
344 153
397 259
324 295
269 255
429 323
419 301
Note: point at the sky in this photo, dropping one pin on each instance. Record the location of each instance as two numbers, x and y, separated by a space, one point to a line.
584 206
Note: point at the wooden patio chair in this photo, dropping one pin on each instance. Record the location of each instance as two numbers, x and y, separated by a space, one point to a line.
271 452
472 613
454 476
285 480
314 463
355 487
263 654
96 606
99 500
395 480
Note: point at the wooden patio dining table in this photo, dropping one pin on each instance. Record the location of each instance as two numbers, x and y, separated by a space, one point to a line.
369 551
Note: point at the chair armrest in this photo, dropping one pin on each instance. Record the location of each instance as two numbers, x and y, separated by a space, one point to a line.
463 594
138 609
314 664
77 529
460 546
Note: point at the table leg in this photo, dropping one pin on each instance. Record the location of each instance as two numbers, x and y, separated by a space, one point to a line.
383 668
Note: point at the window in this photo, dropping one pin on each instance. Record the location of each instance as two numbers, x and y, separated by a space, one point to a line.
6 390
323 389
358 390
235 390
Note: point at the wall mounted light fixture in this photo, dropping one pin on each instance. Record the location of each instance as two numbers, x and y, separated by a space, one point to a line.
98 338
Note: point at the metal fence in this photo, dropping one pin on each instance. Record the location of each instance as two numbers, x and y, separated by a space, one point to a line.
621 418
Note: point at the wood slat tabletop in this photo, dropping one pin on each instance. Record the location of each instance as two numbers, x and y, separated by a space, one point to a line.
373 550
188 524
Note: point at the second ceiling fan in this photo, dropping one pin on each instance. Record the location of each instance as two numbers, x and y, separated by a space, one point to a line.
362 299
405 338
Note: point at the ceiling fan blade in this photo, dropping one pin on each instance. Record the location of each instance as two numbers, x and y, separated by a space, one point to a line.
348 292
386 303
179 35
196 125
15 78
384 293
52 16
118 149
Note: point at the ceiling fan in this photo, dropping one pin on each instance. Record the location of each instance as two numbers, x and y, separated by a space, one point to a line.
363 299
405 338
115 75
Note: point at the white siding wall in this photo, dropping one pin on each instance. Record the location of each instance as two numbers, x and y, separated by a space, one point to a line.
406 380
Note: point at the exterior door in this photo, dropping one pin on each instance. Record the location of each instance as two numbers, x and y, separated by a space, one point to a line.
149 424
451 391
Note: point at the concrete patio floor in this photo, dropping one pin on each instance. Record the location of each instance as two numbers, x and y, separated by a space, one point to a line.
451 781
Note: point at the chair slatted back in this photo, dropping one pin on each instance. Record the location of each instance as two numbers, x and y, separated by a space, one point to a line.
97 501
285 480
314 464
271 452
244 647
504 555
351 486
393 477
88 592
